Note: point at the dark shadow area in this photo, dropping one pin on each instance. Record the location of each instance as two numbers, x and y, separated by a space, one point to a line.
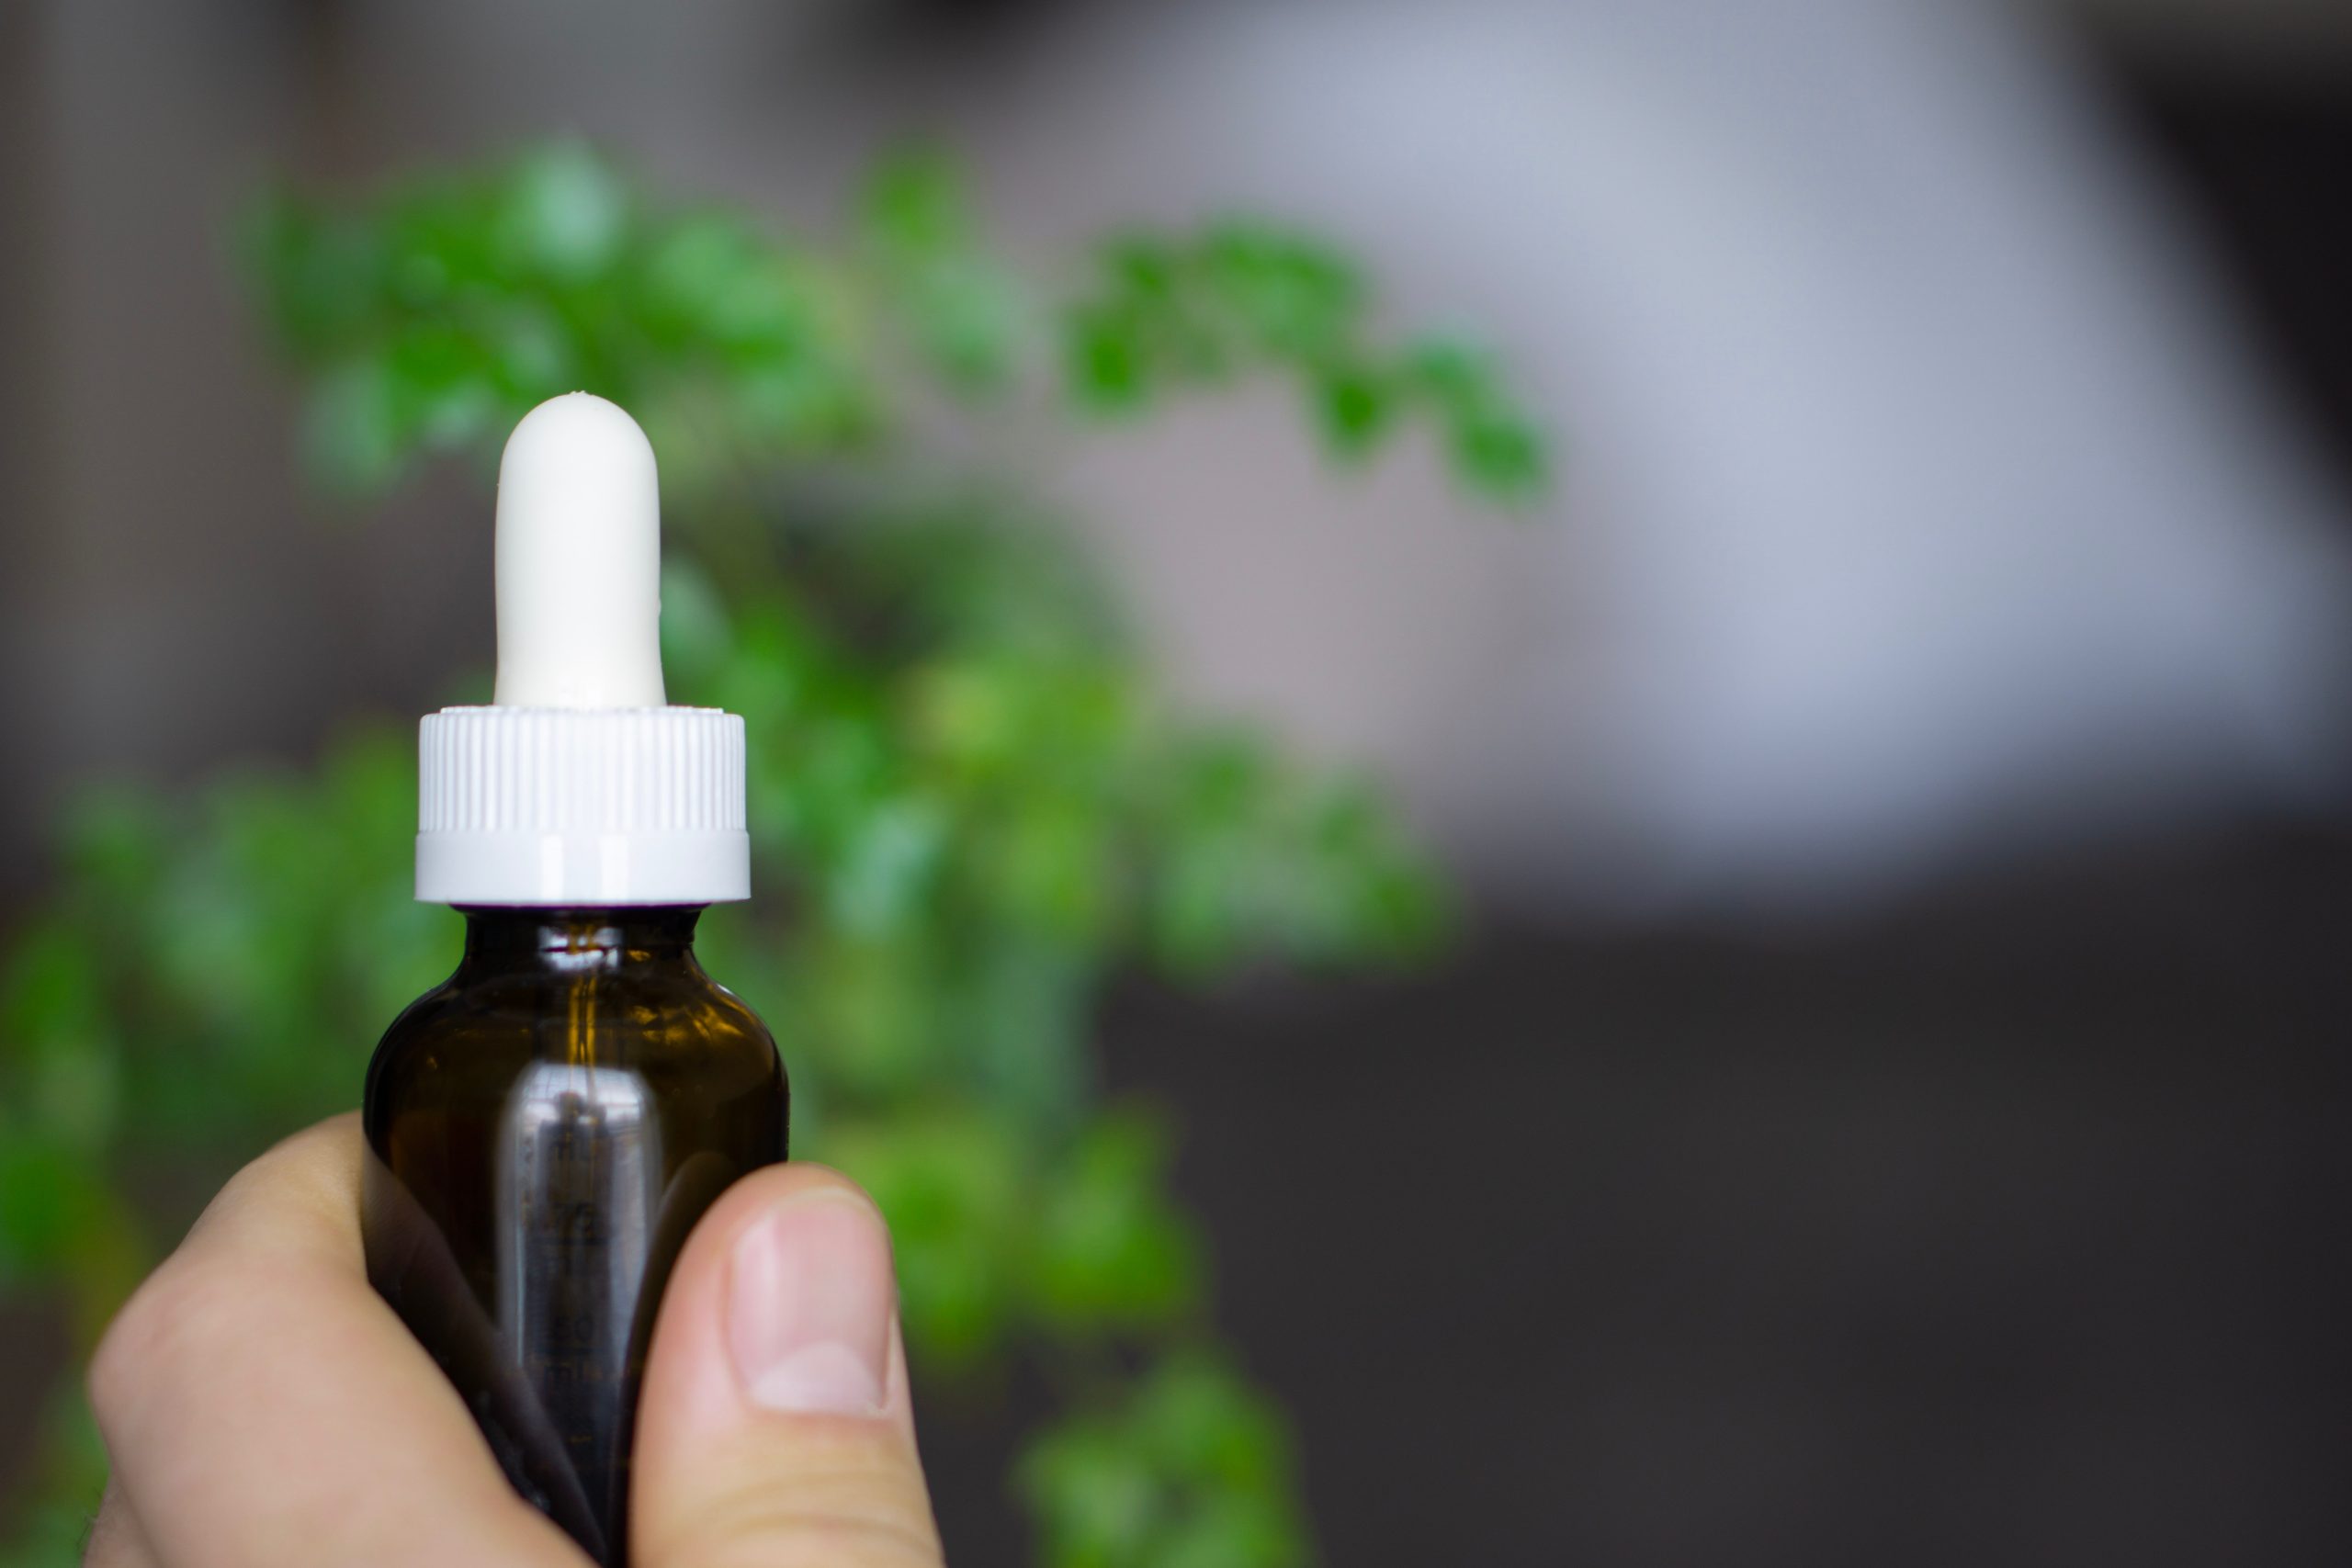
2267 168
2009 1229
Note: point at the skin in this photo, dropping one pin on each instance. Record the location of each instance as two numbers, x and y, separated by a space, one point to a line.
262 1408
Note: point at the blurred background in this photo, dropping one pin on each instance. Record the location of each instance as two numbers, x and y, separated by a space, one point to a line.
1883 1100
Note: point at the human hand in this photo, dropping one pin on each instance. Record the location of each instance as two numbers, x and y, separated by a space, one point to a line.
263 1406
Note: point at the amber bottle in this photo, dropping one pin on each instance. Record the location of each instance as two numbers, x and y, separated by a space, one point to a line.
543 1131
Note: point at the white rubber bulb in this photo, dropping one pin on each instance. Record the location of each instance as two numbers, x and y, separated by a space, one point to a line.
579 561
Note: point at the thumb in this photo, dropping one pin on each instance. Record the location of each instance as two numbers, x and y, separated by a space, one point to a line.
775 1429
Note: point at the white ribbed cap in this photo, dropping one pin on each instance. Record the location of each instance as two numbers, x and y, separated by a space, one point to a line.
575 789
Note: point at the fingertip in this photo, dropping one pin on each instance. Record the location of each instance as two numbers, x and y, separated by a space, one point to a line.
785 1298
772 1187
777 1375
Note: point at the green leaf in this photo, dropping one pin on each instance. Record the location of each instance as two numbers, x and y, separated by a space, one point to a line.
1292 296
1499 453
1354 404
354 430
967 318
1192 1468
1095 1496
888 865
1109 358
965 313
1495 446
1114 1251
564 215
50 1201
53 989
316 277
913 204
697 630
117 840
71 1475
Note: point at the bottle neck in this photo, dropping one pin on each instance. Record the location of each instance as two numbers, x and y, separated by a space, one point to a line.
577 940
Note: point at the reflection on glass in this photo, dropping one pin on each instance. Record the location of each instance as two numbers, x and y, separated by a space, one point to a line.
580 1175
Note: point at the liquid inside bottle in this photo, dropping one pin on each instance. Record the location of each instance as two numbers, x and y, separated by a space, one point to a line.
543 1131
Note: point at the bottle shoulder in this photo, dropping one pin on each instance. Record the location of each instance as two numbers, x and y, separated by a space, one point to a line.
672 1001
672 1024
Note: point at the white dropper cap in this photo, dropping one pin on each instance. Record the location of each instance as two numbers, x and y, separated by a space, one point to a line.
579 786
578 562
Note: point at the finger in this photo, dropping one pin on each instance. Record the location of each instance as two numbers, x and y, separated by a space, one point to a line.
774 1430
116 1540
263 1406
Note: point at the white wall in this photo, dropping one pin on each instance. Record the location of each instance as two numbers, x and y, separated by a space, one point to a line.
1919 506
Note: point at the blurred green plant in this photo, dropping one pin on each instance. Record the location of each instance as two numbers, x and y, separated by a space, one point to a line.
972 804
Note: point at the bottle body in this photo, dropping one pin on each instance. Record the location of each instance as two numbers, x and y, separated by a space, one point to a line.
543 1131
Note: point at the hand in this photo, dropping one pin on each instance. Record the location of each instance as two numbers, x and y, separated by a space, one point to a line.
263 1407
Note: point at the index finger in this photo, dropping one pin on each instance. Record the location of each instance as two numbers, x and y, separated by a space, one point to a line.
263 1406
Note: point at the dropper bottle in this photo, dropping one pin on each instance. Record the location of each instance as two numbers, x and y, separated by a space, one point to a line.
546 1126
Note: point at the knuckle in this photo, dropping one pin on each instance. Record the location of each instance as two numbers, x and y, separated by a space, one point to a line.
856 1516
796 1539
168 1325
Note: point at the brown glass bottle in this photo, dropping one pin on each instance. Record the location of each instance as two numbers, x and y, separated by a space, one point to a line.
543 1130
